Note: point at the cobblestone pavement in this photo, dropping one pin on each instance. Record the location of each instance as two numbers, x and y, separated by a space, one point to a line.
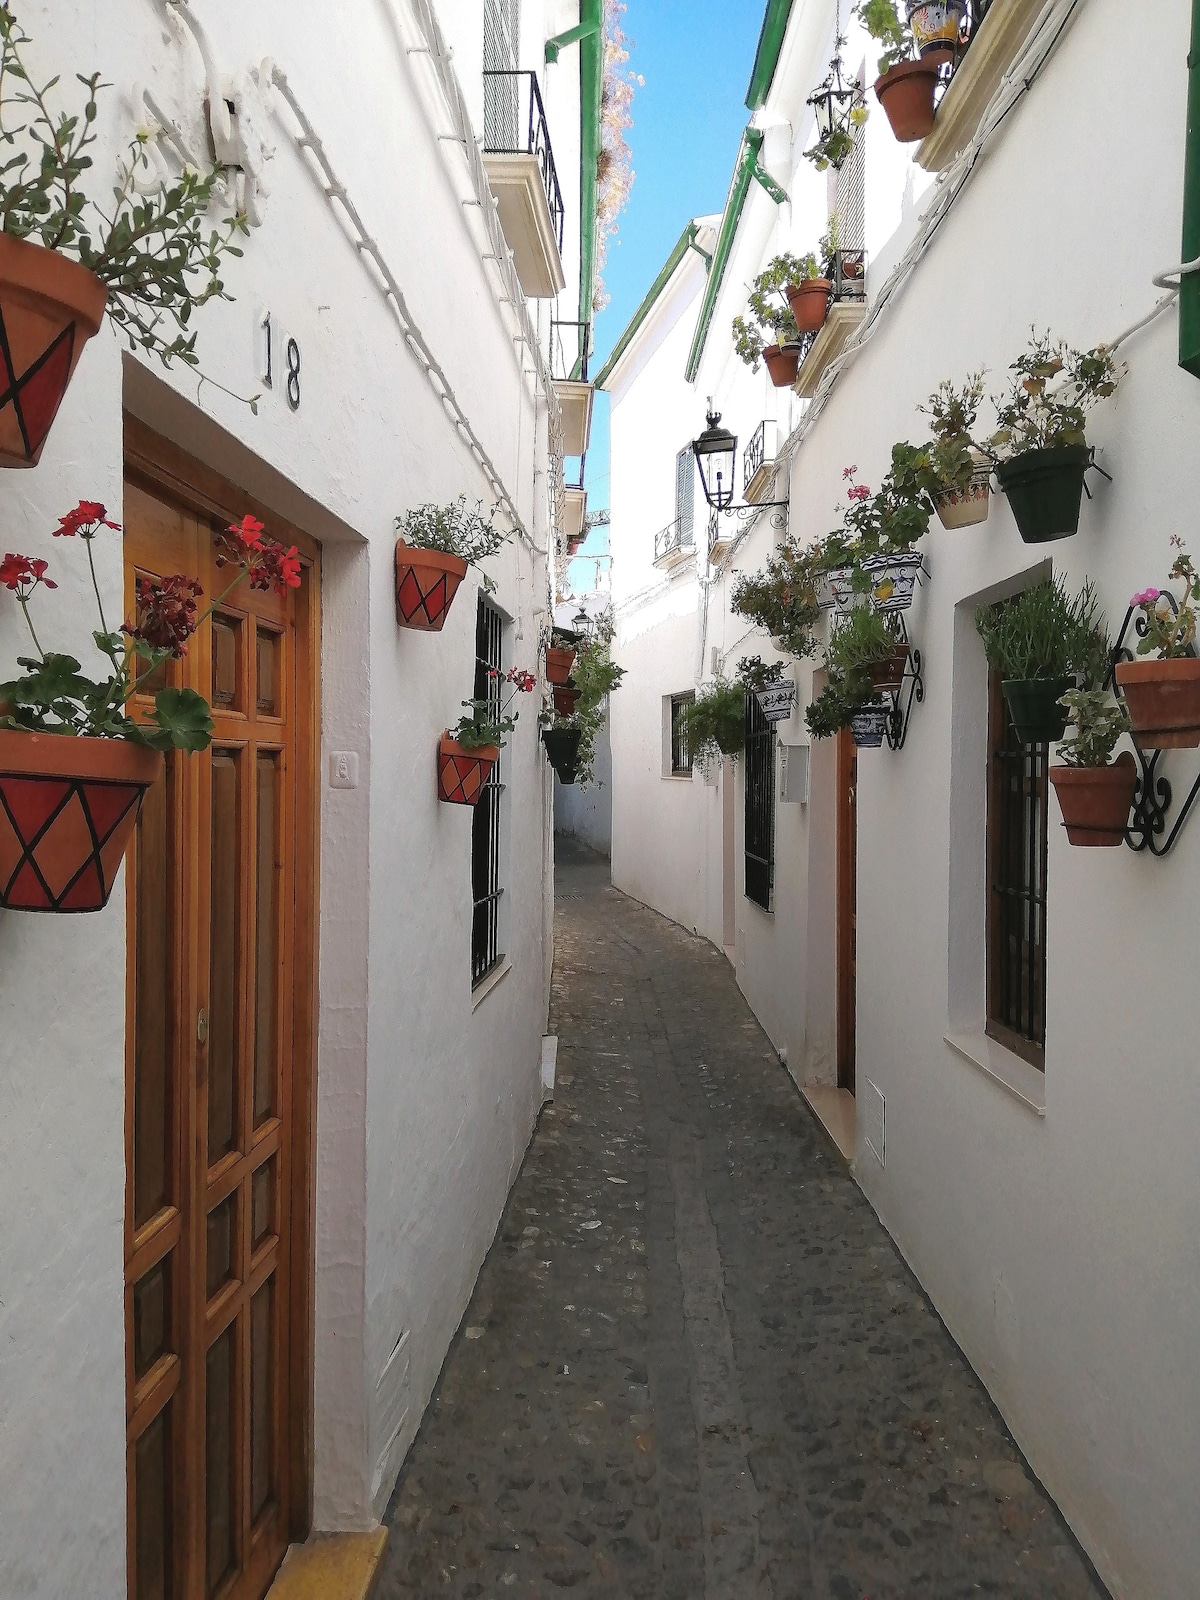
694 1366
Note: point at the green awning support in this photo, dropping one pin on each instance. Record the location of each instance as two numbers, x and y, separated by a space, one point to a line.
1189 287
572 36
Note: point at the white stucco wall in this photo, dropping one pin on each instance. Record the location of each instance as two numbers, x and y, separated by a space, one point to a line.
424 1103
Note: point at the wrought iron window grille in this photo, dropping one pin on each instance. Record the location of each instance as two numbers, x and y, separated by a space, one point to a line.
759 844
672 538
756 454
681 756
512 102
486 892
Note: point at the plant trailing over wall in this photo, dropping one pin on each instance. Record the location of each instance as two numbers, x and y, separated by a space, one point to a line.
755 673
595 674
614 163
453 530
882 21
1045 633
782 599
769 320
839 702
715 722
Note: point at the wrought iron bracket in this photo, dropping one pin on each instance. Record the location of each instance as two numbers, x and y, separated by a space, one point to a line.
1154 796
912 686
746 514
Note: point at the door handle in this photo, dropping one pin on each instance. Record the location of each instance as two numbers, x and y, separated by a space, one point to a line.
202 1026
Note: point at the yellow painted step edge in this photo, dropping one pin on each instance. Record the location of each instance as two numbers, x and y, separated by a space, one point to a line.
333 1566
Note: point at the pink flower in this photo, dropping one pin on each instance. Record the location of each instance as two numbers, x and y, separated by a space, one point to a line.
860 492
1145 597
848 472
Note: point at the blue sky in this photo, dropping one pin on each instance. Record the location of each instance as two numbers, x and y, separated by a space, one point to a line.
696 57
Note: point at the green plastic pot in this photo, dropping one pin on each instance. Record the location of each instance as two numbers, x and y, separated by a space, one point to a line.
1045 491
1033 706
562 747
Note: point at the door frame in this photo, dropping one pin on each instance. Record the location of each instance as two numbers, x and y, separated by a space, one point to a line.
847 909
167 468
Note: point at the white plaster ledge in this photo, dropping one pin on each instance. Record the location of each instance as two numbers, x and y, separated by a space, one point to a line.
1022 1080
1002 34
486 984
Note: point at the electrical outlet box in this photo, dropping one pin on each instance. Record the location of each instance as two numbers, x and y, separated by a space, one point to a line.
794 767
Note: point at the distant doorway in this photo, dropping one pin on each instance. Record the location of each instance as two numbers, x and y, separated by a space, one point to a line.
847 906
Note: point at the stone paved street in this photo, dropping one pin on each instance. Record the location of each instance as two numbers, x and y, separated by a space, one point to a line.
694 1365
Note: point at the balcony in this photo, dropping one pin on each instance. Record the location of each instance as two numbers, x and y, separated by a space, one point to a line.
759 462
847 309
720 537
574 516
570 351
521 171
674 545
999 30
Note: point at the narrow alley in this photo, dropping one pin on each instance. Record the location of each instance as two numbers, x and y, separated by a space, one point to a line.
694 1363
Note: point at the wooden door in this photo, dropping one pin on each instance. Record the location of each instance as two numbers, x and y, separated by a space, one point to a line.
221 888
847 906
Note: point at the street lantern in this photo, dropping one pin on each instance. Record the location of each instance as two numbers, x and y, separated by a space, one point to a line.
715 450
831 101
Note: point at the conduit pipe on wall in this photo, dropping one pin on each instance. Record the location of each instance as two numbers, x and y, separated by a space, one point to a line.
1189 295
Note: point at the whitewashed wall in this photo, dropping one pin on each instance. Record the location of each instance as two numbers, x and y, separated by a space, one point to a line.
425 1105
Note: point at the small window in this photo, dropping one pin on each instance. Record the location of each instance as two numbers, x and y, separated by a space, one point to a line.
681 756
1017 823
759 761
485 823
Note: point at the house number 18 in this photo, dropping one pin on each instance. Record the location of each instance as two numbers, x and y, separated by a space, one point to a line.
289 347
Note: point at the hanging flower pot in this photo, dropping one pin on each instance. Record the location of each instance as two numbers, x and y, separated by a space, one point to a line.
810 303
888 676
935 24
562 747
775 700
463 770
1034 708
1163 700
50 307
1045 490
893 579
869 726
426 583
558 664
68 807
783 363
1095 801
907 94
963 508
837 590
565 697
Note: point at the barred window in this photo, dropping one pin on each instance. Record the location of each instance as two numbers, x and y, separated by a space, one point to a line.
485 824
850 202
681 756
760 804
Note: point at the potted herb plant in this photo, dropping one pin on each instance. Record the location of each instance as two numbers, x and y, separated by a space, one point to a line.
849 700
808 293
1040 641
906 87
864 643
1040 444
783 599
1163 694
65 261
775 692
560 655
962 496
768 332
715 722
468 751
436 546
570 740
75 763
1094 792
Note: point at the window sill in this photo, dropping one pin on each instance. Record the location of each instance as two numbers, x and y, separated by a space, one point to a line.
1001 35
489 981
677 777
1022 1080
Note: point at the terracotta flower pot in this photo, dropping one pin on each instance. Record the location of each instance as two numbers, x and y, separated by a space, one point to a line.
50 307
562 748
68 808
558 664
462 772
1095 801
783 363
888 676
868 727
1045 491
1034 708
426 583
963 508
906 94
565 697
1163 699
810 303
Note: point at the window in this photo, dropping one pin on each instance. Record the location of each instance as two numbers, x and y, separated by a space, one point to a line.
685 483
850 196
760 805
485 825
501 36
681 756
1018 817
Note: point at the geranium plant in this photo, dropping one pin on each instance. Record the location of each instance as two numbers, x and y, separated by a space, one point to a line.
54 696
769 320
1040 413
1097 722
456 529
782 598
953 412
488 722
595 674
1167 625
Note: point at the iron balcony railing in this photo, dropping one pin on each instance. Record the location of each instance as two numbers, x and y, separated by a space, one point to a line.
850 275
514 123
755 455
570 350
674 537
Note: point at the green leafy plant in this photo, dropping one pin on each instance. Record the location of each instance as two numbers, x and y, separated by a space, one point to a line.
489 721
769 318
954 413
54 696
755 673
1045 633
833 149
882 21
861 639
715 722
157 255
1040 414
1169 625
783 599
839 702
455 530
564 638
1098 722
596 675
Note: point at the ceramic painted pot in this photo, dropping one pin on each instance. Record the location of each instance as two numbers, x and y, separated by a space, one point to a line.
776 700
462 772
1045 491
907 95
782 364
936 24
68 808
1163 700
893 579
810 303
1095 801
869 727
837 590
558 664
963 508
426 583
1034 708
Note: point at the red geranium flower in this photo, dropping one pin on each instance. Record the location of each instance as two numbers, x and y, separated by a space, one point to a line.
166 613
87 518
273 567
249 531
22 575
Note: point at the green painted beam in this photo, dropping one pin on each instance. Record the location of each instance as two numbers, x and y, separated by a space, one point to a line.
1189 288
742 179
770 43
591 88
686 242
572 36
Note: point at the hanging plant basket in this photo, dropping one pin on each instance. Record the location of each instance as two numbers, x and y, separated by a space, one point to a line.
50 307
810 303
783 364
562 747
907 94
869 727
888 676
1163 700
426 583
837 590
1095 801
1045 491
558 664
963 508
68 808
936 24
1034 708
893 579
565 697
463 770
776 700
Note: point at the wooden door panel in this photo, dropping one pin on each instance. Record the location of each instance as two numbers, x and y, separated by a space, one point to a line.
847 907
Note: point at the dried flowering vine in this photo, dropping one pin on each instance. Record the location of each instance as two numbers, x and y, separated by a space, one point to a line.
54 696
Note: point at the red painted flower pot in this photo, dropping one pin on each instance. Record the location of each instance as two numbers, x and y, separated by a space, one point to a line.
565 696
810 303
1163 698
67 812
782 364
907 93
1095 801
50 307
558 665
426 583
462 773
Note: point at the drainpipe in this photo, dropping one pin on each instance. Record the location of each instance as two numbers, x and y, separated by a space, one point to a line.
591 88
1189 289
572 36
